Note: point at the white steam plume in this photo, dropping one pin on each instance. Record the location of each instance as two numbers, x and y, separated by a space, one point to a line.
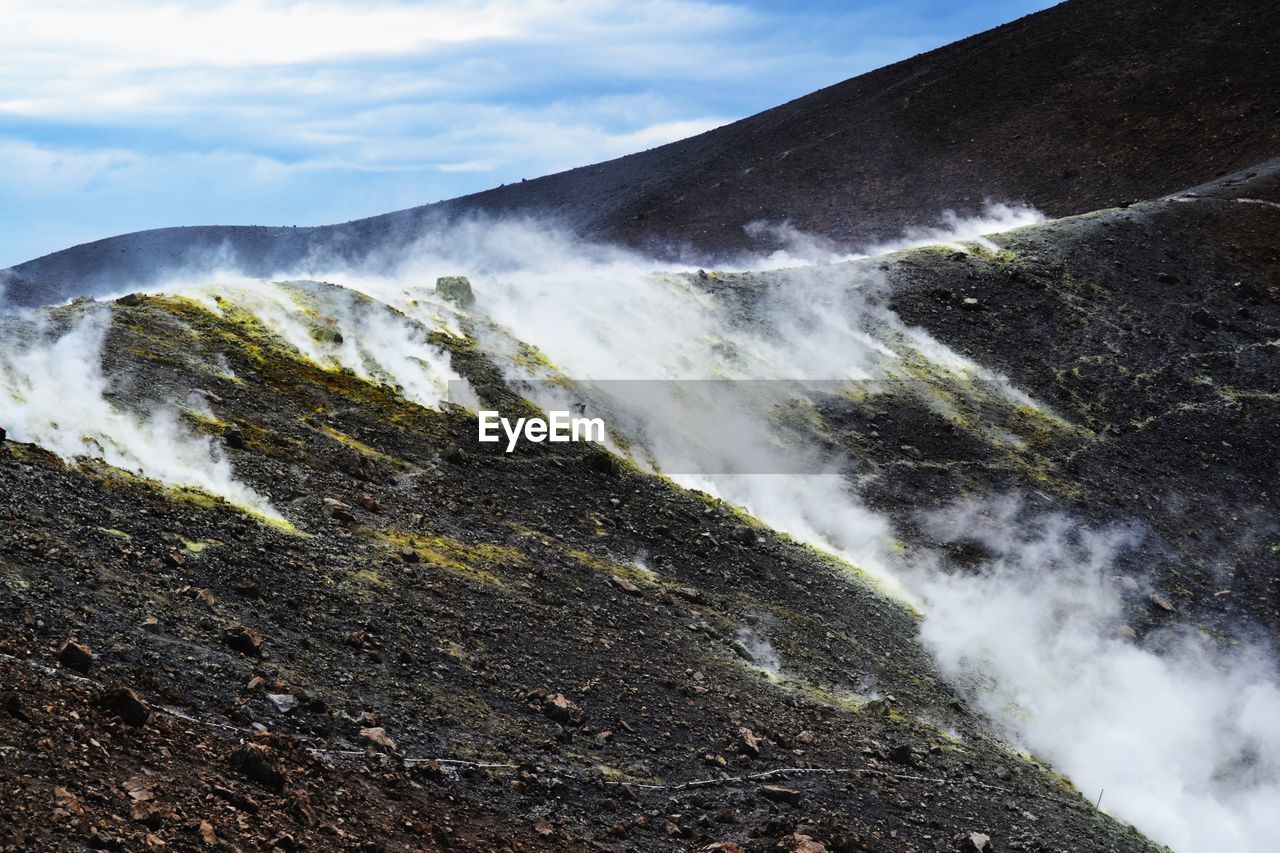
953 230
1185 743
53 393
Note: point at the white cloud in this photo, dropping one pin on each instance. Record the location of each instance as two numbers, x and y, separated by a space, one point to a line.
138 113
138 54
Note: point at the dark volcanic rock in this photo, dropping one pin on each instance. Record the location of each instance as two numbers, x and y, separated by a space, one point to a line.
75 655
127 705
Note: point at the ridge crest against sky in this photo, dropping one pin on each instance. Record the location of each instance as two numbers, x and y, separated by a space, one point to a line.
120 115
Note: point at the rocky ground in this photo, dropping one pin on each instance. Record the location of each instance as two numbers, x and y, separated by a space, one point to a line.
450 646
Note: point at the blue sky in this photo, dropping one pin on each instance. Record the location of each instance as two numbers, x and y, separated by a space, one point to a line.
119 115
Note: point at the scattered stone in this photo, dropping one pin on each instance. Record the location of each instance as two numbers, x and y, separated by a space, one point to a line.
428 769
127 705
256 683
748 743
780 794
801 843
558 707
377 738
625 585
1204 318
151 625
284 702
102 840
285 842
453 454
723 847
690 594
370 503
76 655
255 762
234 437
1160 601
970 303
207 835
456 289
975 842
207 597
339 511
130 300
902 754
912 451
244 640
249 587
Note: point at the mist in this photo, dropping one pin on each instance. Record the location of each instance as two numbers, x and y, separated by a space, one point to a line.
53 393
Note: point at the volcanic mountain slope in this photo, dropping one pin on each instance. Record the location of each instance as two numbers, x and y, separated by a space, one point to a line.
422 641
1082 106
489 610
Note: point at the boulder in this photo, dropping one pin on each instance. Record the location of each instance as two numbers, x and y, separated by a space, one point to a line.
780 794
126 705
377 737
748 743
559 708
456 289
257 763
75 655
975 842
244 640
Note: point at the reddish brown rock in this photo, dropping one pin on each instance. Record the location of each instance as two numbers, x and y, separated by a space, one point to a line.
247 641
127 705
256 762
377 737
76 655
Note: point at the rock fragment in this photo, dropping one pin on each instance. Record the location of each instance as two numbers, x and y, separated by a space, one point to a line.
456 289
127 705
76 655
748 743
256 762
780 794
377 737
339 511
247 641
975 842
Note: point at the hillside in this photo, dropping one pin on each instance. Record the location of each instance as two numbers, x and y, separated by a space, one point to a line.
1079 107
427 642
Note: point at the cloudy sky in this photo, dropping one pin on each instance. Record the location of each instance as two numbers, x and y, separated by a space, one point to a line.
118 115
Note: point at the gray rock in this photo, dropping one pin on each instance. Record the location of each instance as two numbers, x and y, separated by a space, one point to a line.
456 289
284 702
